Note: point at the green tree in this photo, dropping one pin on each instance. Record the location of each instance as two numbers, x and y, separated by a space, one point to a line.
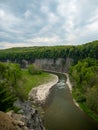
33 69
92 98
6 97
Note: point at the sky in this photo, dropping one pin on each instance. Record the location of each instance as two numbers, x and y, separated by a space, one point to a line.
47 22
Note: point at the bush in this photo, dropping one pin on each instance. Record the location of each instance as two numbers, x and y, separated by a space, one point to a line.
10 89
33 69
81 98
92 98
6 97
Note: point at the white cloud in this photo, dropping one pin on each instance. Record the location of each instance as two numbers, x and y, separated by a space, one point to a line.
27 13
10 45
43 39
2 14
8 20
53 18
93 26
48 22
31 42
44 9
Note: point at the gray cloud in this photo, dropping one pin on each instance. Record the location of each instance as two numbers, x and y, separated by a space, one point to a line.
47 22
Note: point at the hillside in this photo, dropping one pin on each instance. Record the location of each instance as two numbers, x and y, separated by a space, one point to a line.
54 52
84 77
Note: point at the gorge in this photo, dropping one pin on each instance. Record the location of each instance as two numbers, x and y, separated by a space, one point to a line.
81 62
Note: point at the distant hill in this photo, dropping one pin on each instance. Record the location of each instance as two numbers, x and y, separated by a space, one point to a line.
30 53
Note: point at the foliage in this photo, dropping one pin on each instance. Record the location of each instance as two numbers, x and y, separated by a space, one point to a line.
81 98
9 74
34 69
6 97
92 98
16 83
32 53
91 113
85 75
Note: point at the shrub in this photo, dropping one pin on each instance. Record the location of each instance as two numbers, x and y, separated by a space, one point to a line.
92 98
33 69
81 98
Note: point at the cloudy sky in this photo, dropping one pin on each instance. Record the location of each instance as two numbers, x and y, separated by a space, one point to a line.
47 22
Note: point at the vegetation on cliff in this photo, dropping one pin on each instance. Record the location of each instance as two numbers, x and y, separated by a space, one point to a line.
32 53
84 76
9 75
15 82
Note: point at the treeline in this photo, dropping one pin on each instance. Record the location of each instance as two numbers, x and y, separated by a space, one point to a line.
84 76
31 53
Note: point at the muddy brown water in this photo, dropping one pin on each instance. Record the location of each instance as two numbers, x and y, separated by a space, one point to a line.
62 114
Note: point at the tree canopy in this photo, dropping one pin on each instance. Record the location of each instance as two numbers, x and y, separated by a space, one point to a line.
30 53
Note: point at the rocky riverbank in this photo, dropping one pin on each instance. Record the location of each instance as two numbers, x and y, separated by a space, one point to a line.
70 88
28 117
39 94
68 82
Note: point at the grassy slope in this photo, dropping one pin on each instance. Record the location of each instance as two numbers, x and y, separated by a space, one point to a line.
30 81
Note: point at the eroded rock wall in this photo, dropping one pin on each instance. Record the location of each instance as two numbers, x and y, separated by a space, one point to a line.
59 65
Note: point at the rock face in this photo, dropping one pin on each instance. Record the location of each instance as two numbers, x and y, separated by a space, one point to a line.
32 118
58 65
29 119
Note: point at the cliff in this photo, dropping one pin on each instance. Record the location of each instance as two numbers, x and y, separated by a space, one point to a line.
28 119
59 64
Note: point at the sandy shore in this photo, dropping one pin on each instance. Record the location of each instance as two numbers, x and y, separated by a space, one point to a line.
70 88
40 93
68 82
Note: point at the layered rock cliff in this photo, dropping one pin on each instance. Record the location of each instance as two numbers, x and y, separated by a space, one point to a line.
59 64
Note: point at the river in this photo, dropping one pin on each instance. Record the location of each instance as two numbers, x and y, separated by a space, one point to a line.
60 112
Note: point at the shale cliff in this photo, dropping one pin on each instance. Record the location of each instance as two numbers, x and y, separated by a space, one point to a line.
59 64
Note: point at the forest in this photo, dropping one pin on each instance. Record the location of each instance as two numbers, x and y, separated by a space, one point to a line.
84 77
31 53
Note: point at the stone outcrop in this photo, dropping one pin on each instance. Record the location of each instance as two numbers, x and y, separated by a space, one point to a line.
28 118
